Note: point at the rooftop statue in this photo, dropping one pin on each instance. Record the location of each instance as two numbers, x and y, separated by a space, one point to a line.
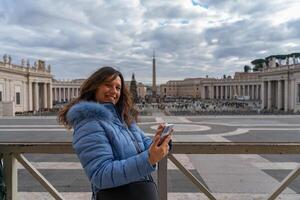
4 58
9 59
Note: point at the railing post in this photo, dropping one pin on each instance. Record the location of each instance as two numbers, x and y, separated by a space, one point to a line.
162 179
10 176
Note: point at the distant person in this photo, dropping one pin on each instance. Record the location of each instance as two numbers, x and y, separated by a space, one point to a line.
116 155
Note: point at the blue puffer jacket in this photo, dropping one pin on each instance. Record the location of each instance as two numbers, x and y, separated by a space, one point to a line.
106 147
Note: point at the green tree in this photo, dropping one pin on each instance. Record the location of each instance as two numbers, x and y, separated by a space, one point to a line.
247 68
133 89
258 64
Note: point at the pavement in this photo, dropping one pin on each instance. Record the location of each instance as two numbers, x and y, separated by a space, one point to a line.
232 177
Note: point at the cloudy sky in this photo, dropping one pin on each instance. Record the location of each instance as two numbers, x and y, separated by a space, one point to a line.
191 38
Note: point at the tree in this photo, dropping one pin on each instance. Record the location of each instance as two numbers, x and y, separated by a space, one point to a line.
247 68
133 89
258 64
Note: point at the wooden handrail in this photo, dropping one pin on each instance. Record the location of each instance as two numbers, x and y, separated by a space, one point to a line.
178 147
13 150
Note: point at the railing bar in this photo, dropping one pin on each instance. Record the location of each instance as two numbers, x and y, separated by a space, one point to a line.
294 174
189 175
39 177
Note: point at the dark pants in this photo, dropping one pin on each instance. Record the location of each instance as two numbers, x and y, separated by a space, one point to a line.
145 190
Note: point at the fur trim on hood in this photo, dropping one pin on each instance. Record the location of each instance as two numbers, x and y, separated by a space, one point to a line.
91 110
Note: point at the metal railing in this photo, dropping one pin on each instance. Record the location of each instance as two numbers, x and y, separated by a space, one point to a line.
12 152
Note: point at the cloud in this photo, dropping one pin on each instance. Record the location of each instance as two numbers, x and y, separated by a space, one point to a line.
191 38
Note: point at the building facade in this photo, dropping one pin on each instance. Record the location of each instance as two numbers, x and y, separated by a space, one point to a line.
276 86
27 87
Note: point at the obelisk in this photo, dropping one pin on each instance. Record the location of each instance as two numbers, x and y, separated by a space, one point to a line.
153 79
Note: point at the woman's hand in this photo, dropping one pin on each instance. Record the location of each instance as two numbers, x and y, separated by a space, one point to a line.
159 147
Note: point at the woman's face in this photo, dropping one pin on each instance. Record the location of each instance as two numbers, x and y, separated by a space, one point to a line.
109 91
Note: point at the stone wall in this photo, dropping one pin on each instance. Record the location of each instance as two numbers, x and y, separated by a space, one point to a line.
7 108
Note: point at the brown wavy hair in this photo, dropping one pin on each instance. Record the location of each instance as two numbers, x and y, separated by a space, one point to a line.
88 89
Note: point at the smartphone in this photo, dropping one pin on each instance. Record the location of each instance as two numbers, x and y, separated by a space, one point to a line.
167 129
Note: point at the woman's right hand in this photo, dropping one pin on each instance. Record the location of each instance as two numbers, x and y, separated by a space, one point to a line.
158 150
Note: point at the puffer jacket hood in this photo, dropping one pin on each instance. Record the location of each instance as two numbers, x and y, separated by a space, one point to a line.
91 110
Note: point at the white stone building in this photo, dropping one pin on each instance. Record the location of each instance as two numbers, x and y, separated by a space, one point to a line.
24 88
32 88
276 86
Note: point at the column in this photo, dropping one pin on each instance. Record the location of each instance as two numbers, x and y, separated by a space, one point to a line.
73 94
76 92
263 100
12 93
226 91
24 96
252 92
279 95
59 95
217 91
286 97
68 94
292 95
203 94
30 103
45 104
257 92
54 94
233 91
36 96
64 94
4 90
222 92
269 95
7 90
50 96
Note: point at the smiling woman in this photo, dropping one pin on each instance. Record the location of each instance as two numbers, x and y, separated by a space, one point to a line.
109 91
116 155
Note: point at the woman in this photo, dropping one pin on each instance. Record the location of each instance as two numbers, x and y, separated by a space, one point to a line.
112 149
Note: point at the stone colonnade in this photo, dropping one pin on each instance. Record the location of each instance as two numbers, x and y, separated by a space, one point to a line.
232 91
64 93
276 95
39 95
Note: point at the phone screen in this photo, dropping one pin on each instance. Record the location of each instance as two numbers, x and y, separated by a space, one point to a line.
167 129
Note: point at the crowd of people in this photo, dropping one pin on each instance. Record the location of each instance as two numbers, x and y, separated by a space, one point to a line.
198 107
